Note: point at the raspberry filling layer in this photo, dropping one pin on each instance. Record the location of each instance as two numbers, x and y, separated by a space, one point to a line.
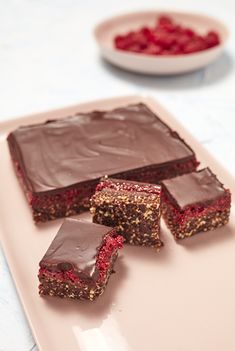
166 38
112 242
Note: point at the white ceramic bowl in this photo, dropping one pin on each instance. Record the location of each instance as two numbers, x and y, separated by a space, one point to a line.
165 65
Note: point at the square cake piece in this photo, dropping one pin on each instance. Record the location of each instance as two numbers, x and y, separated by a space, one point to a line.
195 202
60 162
133 208
79 260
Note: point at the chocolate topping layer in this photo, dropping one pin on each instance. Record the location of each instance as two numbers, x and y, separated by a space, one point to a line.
193 188
83 147
75 247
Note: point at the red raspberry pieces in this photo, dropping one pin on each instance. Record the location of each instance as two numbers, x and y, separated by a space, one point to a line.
212 39
166 38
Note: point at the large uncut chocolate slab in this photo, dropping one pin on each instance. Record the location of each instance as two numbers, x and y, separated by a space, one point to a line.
79 261
194 203
60 162
133 208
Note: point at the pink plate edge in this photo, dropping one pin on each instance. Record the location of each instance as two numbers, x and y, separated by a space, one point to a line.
7 126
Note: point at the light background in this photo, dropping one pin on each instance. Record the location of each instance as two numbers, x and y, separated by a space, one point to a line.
49 59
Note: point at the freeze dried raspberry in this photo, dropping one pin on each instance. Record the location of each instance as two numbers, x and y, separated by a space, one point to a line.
189 32
153 50
212 39
164 21
195 45
166 38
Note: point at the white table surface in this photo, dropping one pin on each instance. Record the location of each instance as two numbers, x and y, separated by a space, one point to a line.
48 59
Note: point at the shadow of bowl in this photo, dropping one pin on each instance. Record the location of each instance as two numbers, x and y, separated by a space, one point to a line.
209 75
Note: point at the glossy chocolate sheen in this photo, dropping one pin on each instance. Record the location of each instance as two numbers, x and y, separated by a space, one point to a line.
75 247
85 147
193 188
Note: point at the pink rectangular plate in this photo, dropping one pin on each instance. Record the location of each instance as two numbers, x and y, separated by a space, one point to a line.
180 299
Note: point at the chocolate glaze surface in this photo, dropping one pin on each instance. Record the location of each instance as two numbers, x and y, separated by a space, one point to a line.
85 147
75 247
193 188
